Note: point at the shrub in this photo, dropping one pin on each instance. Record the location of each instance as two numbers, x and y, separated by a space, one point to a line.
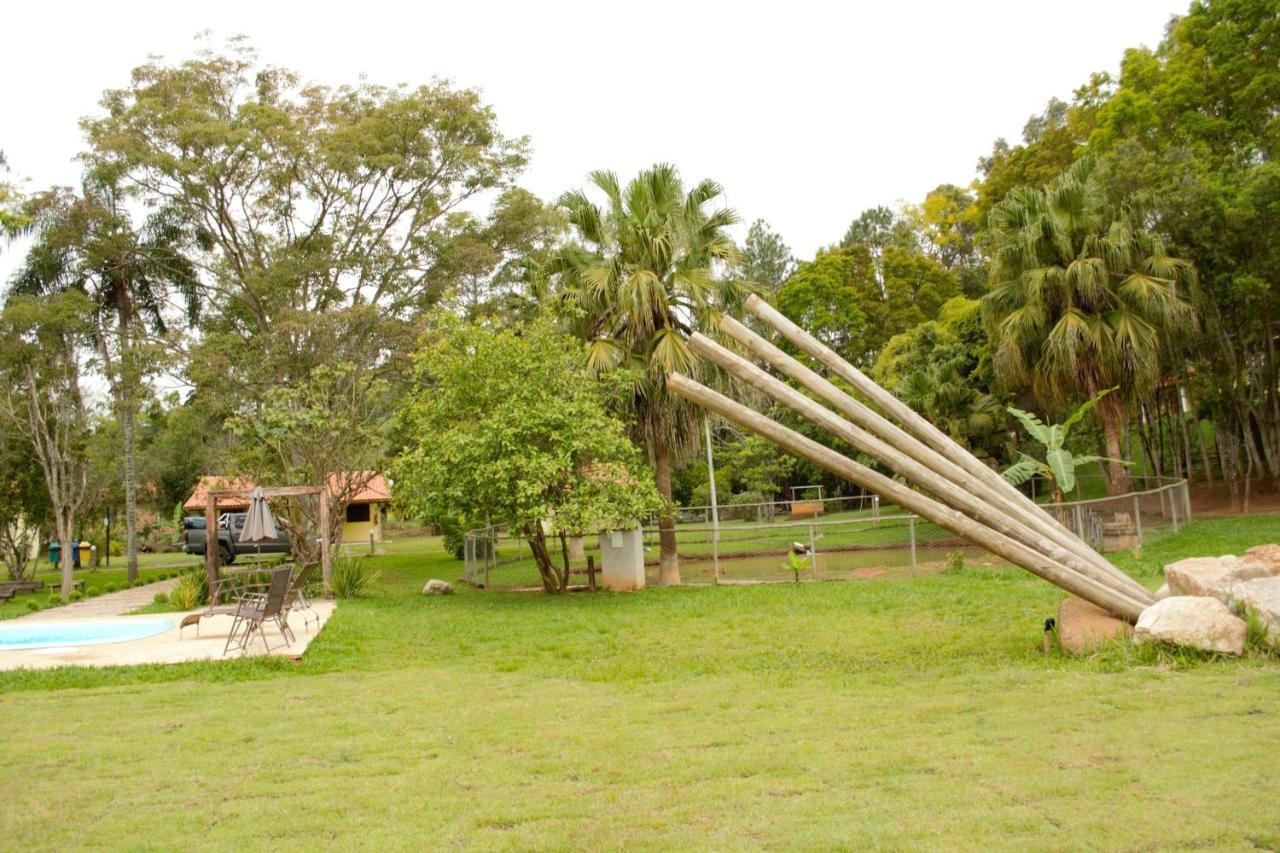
75 595
742 506
191 591
93 592
111 587
33 605
351 577
54 599
160 598
955 563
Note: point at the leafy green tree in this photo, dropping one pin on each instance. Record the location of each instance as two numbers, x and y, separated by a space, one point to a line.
1081 297
12 219
330 213
947 226
89 244
511 425
24 503
1060 464
765 259
42 342
638 279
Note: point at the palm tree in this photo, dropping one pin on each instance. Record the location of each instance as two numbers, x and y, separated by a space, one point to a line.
1081 296
638 280
87 243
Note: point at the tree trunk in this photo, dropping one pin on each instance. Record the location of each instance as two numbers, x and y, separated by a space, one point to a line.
1113 428
538 547
63 522
130 457
669 557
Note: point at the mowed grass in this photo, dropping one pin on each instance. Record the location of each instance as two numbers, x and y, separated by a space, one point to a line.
878 713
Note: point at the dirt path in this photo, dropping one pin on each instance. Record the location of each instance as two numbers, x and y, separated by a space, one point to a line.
110 604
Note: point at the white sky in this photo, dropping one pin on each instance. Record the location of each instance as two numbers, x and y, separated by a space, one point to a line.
806 112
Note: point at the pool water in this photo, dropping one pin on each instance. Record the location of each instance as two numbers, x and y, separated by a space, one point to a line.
35 635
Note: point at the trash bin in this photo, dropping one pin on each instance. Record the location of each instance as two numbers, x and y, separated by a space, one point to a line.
54 551
86 554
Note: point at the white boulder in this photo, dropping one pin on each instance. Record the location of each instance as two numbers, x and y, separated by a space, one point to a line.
437 587
1211 576
1261 597
1199 622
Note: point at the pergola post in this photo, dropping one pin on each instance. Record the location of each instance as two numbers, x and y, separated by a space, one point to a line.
325 566
211 541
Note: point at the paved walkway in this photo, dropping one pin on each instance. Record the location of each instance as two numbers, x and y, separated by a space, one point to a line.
109 604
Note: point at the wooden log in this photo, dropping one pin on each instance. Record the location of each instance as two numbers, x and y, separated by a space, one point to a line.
972 475
957 522
965 496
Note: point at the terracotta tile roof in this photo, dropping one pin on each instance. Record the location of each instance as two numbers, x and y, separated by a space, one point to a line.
374 491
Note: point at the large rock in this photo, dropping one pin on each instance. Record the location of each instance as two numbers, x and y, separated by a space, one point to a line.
437 587
1261 597
1267 555
1211 576
1198 622
1082 626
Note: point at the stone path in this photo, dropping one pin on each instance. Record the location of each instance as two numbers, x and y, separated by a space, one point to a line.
108 604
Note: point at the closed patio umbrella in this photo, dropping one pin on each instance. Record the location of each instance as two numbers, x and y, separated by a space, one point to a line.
259 524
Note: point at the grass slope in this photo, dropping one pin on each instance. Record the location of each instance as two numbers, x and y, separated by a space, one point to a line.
875 713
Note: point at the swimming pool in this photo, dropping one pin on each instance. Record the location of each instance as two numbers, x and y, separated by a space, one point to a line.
36 635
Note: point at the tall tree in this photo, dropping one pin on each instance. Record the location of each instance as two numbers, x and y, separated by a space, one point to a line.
639 278
42 346
1081 297
765 259
89 244
12 219
329 211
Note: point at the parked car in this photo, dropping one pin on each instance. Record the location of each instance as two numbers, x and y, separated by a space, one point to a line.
230 525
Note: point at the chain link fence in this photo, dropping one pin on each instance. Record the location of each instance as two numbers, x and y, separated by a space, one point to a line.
847 538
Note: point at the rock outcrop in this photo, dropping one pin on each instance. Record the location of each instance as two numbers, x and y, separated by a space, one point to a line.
1212 576
437 587
1261 597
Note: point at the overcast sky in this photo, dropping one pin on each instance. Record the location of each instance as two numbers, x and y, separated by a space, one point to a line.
807 113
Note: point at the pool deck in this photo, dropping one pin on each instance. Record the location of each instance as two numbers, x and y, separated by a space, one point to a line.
172 646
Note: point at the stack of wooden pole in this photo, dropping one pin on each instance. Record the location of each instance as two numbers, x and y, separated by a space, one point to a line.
952 488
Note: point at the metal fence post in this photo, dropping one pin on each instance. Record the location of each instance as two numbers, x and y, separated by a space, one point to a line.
1173 511
1137 518
912 527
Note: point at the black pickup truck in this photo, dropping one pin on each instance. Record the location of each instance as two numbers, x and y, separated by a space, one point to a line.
229 545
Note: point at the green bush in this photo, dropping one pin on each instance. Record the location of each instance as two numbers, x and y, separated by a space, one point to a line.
160 598
191 591
33 605
955 563
75 595
740 506
54 599
351 577
111 587
93 592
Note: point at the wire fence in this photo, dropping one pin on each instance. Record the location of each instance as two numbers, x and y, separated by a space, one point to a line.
847 538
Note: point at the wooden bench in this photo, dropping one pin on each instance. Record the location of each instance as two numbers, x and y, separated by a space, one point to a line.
21 586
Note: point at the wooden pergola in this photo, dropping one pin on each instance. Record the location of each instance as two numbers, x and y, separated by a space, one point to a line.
211 525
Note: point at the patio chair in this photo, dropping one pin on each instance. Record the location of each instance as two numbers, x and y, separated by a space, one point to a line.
255 610
295 599
230 587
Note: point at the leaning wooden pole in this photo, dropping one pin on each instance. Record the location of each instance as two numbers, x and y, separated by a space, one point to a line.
957 495
926 436
941 466
944 516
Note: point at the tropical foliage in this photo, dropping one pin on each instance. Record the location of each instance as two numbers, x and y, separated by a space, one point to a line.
1060 464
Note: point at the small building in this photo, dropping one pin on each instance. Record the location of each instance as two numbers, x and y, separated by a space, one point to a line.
365 510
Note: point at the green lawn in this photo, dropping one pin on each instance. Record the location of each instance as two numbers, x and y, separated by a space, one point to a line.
878 713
